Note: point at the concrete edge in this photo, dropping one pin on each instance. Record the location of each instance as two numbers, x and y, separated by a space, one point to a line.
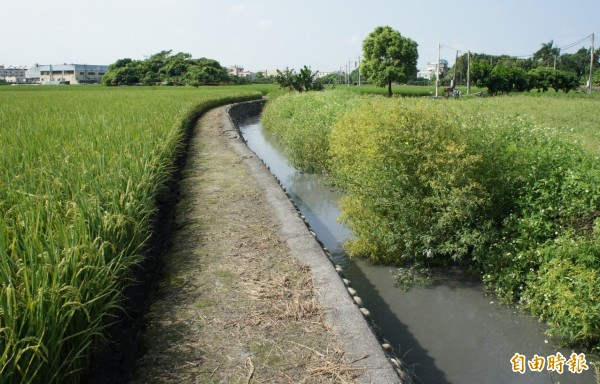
350 323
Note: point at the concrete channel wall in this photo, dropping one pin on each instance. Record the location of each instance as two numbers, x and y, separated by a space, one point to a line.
351 322
241 111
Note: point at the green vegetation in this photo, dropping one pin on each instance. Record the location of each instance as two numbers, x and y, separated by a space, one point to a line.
302 122
493 184
389 57
503 79
81 170
546 69
303 81
399 90
164 68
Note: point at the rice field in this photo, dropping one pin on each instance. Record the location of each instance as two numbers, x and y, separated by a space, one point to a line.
81 167
573 115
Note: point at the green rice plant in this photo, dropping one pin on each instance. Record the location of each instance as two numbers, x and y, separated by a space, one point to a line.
572 116
81 168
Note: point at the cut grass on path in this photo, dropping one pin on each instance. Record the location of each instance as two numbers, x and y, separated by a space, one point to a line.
233 303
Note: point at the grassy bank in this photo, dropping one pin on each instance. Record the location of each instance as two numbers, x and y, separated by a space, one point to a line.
478 182
81 169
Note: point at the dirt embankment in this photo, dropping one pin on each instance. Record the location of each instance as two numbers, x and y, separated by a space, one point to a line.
246 294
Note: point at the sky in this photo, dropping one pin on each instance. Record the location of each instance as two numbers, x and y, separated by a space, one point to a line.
259 35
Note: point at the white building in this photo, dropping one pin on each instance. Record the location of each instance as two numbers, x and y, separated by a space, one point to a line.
238 71
66 74
12 74
327 73
269 72
429 73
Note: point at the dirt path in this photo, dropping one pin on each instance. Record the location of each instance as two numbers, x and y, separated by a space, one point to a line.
238 300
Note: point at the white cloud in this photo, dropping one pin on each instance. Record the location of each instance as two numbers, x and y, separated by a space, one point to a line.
354 40
265 24
239 8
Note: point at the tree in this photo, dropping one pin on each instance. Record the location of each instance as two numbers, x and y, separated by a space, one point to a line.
565 81
287 79
542 78
306 80
212 71
389 57
547 55
262 79
163 67
205 71
480 73
332 79
175 67
578 62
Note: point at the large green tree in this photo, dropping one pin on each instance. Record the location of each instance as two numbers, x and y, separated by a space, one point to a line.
388 57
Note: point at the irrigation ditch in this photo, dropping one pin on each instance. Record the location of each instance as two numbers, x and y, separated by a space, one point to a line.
450 332
353 324
238 288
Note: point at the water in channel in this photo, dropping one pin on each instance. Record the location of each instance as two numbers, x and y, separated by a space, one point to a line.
451 332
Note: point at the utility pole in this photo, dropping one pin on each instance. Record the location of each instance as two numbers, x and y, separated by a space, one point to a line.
454 73
347 75
349 71
358 70
468 72
591 66
437 71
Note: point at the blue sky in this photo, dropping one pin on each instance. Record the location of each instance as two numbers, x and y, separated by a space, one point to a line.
270 34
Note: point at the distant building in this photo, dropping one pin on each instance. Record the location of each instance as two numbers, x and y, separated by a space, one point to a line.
269 72
429 73
327 73
238 71
12 74
66 74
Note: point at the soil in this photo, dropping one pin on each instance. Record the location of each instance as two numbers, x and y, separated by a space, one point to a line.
233 304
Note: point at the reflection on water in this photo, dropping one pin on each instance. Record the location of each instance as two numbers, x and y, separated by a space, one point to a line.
451 332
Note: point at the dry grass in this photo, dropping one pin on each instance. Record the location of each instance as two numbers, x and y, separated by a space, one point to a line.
234 306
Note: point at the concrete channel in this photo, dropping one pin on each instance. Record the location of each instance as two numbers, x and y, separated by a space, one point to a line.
350 321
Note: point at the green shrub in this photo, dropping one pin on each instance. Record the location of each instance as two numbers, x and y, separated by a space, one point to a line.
565 290
432 181
409 181
548 252
303 122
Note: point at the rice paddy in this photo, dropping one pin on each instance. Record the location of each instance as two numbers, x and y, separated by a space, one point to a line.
81 168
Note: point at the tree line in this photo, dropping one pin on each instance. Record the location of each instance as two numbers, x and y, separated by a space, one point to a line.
167 69
545 69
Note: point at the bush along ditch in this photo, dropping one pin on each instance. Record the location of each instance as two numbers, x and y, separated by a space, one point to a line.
302 122
436 183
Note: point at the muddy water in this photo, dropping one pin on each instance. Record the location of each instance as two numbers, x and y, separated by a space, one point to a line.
452 332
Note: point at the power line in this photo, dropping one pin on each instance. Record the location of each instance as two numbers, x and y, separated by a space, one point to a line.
568 46
563 48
